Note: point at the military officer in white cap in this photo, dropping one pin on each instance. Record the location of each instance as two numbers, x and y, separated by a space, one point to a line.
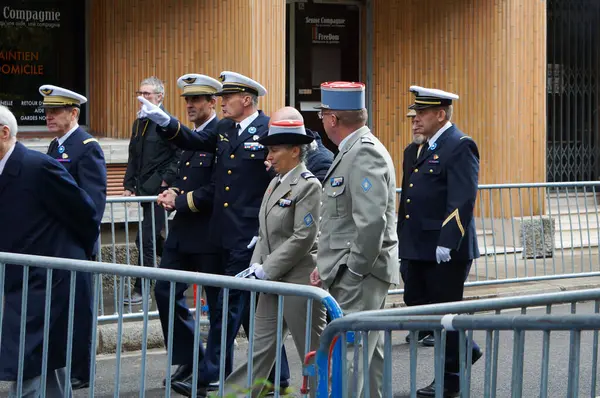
437 239
82 156
241 179
188 245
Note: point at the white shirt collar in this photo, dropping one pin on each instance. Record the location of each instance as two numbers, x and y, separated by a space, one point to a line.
61 140
203 125
345 140
287 174
437 135
5 158
247 121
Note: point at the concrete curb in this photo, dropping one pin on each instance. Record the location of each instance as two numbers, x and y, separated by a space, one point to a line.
132 331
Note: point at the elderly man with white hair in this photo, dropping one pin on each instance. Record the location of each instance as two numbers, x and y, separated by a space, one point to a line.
44 213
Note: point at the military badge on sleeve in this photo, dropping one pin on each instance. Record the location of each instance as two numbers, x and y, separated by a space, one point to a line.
308 220
366 185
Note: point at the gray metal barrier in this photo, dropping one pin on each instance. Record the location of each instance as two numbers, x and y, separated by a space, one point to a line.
534 232
526 232
585 303
466 325
147 274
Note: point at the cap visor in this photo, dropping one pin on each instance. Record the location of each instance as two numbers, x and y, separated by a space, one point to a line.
416 107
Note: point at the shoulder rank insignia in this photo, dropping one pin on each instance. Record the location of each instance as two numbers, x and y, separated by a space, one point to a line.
336 181
285 202
367 140
465 137
85 142
307 174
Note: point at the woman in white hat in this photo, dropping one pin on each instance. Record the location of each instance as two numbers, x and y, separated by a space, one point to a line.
286 250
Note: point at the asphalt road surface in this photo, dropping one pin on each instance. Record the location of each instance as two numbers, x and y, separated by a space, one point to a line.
130 366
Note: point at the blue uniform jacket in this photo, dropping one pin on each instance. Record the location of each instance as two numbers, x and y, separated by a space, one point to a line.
319 161
190 230
240 177
84 160
44 213
438 197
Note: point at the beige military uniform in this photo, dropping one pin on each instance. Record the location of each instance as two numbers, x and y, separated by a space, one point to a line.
288 217
358 233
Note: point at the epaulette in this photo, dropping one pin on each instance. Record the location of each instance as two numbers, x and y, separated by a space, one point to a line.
466 137
307 174
85 142
367 140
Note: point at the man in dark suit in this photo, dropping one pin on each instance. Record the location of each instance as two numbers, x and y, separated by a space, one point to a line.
81 155
437 240
240 179
48 215
151 168
188 246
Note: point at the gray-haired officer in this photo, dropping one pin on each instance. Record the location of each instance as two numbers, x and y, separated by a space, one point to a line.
437 231
411 153
82 156
358 246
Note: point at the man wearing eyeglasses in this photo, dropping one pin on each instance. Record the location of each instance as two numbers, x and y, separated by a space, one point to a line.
151 168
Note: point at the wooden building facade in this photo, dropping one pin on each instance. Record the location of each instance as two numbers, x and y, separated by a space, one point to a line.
492 53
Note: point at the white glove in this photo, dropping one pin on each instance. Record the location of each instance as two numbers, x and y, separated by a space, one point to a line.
252 242
153 112
442 254
259 271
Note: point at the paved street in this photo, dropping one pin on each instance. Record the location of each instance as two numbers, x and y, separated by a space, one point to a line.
559 348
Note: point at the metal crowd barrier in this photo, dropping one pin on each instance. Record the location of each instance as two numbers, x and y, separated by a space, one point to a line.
465 325
568 311
534 232
517 238
147 274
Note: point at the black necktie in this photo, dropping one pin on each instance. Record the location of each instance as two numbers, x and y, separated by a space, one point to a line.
53 146
238 129
424 150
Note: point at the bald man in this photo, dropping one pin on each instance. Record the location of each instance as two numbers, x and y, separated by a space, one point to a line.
319 158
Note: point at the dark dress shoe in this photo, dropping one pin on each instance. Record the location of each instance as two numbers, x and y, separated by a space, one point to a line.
78 384
428 341
429 391
475 355
181 373
184 387
420 336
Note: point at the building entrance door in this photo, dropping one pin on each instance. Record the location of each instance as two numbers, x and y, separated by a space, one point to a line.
323 44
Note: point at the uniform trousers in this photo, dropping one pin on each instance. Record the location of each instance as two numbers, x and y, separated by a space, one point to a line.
355 293
55 386
146 238
440 283
231 263
265 338
82 327
183 321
